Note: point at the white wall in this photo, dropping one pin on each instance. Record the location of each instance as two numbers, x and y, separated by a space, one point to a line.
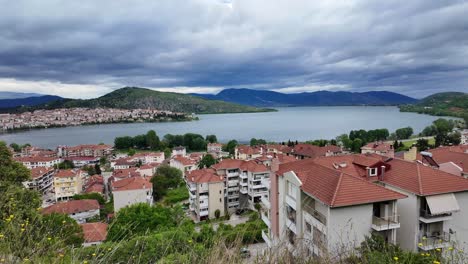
126 198
81 217
459 223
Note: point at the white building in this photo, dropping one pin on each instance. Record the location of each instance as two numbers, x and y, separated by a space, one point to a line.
80 210
42 180
319 211
39 161
130 191
183 163
179 151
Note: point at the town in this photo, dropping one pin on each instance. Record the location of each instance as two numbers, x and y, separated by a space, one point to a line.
84 116
319 201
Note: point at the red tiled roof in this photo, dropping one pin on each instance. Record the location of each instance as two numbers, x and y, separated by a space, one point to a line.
133 183
252 166
66 173
378 146
336 188
203 175
94 232
40 171
451 154
228 164
95 188
313 151
185 161
126 173
248 150
423 180
36 159
81 158
70 207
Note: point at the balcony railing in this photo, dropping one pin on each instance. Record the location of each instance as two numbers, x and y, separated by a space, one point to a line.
385 223
266 237
316 214
430 241
265 201
266 182
428 215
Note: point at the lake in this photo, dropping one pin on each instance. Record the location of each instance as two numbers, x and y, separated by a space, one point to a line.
295 123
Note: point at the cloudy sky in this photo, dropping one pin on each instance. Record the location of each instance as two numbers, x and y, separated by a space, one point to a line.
86 48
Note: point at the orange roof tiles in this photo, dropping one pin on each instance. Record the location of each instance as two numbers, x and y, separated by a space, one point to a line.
451 154
39 172
94 232
70 207
66 173
203 176
133 183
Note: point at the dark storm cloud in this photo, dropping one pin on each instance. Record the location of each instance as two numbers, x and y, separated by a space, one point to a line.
416 48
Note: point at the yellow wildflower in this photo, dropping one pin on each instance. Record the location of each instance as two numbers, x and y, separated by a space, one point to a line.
22 229
427 254
395 258
420 244
109 249
85 262
94 254
63 222
424 238
438 249
49 238
436 262
1 235
450 248
12 216
61 255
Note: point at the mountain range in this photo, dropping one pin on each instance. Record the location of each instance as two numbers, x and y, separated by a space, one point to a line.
28 101
262 98
15 95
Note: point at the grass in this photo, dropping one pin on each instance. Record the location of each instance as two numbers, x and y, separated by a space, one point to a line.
176 195
410 143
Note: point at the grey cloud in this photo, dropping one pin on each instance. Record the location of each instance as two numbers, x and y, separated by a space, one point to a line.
416 48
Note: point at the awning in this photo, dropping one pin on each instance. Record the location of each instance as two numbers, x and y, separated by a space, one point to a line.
442 203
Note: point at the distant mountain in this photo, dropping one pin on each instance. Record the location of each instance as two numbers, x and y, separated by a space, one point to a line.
134 97
261 98
28 101
14 95
441 104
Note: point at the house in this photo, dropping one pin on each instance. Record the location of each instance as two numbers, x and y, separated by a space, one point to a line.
42 179
214 147
148 170
94 233
243 152
79 210
38 161
308 151
68 183
206 192
320 210
130 191
147 157
123 163
83 161
380 148
183 163
464 137
95 184
179 151
125 173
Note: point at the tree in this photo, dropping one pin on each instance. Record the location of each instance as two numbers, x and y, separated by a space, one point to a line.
152 140
123 142
217 213
422 144
258 207
344 141
357 144
65 228
443 126
253 142
15 147
140 142
65 165
10 170
89 169
165 178
230 146
97 169
207 161
211 139
404 133
131 152
93 196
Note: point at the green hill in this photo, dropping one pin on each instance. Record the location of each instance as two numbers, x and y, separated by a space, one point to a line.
441 104
134 97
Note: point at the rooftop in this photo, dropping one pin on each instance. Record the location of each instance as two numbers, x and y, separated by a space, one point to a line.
70 207
133 183
94 232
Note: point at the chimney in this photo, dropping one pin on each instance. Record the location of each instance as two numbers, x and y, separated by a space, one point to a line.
382 173
410 155
274 165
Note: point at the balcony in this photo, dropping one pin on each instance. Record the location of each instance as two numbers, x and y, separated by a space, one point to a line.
204 212
385 223
291 225
258 186
233 189
266 238
245 184
434 240
291 202
266 220
265 201
266 183
192 187
244 190
315 214
233 183
243 176
427 217
233 174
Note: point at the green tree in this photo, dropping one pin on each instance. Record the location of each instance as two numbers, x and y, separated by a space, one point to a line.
253 142
65 228
211 138
152 140
97 169
404 133
357 144
65 165
10 170
217 213
165 178
123 142
422 144
140 142
15 147
207 161
94 196
344 141
230 146
131 152
89 169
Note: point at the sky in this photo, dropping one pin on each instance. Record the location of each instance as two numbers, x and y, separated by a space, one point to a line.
87 48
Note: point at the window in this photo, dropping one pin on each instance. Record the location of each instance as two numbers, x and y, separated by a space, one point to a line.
292 190
308 227
373 172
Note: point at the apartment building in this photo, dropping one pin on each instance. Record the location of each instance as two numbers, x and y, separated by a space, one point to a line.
38 161
243 152
179 151
131 191
68 183
147 157
206 190
42 179
183 163
79 210
95 151
245 182
317 210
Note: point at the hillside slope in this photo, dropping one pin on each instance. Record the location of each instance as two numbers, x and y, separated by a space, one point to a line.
134 97
28 101
441 104
262 98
